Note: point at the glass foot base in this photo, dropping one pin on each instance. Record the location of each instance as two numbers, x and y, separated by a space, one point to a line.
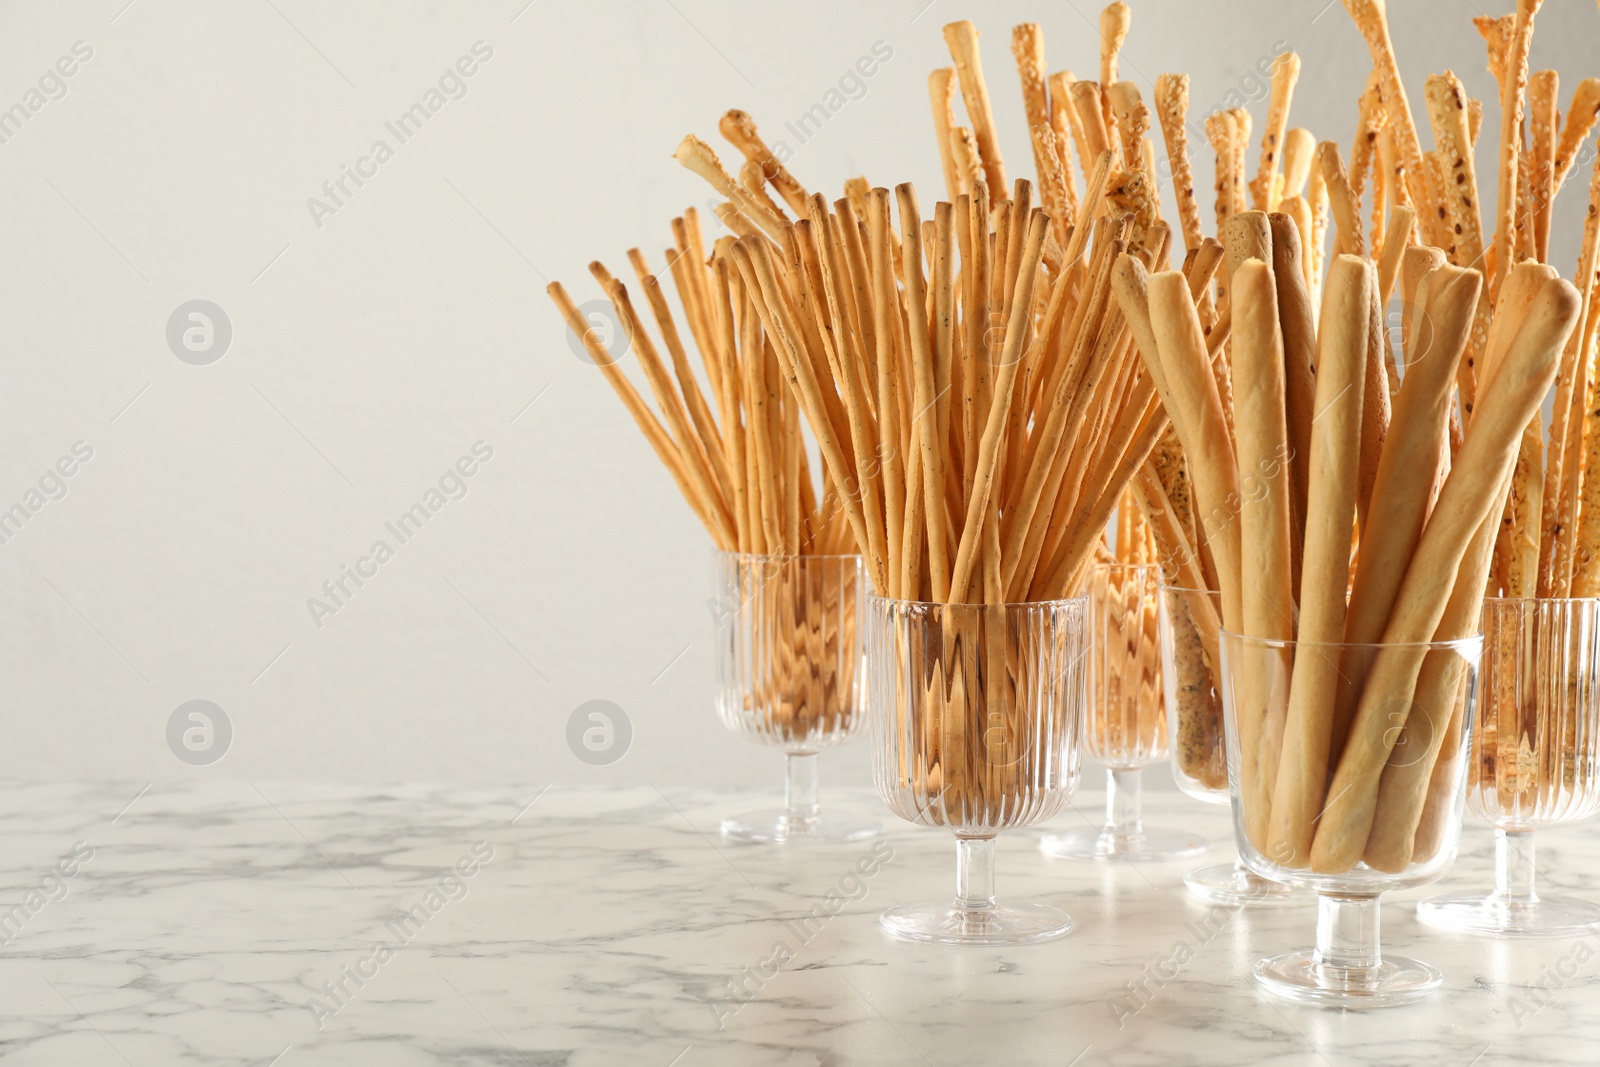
945 922
777 827
1235 887
1296 976
1154 846
1547 917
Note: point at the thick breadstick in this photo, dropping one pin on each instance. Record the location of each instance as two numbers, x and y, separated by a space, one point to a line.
1299 144
1414 458
962 40
1265 593
1197 412
1330 517
1467 499
1298 321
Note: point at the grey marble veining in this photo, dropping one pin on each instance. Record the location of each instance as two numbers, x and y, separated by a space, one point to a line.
230 924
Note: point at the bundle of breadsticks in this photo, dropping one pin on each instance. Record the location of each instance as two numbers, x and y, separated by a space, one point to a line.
744 469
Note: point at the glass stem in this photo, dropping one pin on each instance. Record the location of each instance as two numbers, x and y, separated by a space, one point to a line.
975 872
800 785
1122 803
1514 867
1347 932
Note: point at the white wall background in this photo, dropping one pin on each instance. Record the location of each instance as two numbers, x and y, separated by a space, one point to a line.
371 352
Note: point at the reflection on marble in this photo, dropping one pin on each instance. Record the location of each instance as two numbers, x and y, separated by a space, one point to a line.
228 924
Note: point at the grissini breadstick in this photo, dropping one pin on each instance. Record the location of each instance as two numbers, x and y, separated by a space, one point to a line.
1513 92
941 96
1298 788
1581 116
1371 19
1299 144
1061 120
1172 109
1346 211
1116 19
1543 87
1285 72
1414 458
697 157
962 40
1267 603
1298 323
1469 496
1447 113
1088 103
1429 735
1220 129
740 130
1374 408
1186 369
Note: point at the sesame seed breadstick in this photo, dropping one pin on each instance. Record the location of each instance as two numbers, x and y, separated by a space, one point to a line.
1220 132
1447 113
962 40
1544 126
1574 462
1513 94
1132 120
1027 44
1371 18
1469 497
1242 122
1172 109
1062 121
1581 116
1370 124
1330 513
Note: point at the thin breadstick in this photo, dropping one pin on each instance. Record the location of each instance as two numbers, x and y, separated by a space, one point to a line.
1132 120
1346 211
697 157
740 130
1447 113
941 97
1115 21
1285 72
1581 116
1298 146
1242 123
1374 410
962 40
1543 119
1513 92
1298 788
1469 497
1062 118
1027 45
1579 473
1364 150
1089 104
1371 19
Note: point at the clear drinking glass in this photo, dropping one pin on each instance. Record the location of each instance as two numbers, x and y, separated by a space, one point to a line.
1199 753
975 719
1125 721
1534 760
1348 812
790 675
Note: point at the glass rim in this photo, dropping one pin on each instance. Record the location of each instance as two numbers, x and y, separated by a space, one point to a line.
785 556
1187 590
1475 641
1542 599
1081 598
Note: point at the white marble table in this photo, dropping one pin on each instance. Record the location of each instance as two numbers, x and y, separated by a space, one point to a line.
603 927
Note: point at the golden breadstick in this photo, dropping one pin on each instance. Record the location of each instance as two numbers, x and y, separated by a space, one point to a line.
1346 211
1172 109
1415 265
1027 44
1298 323
1197 412
1265 592
1132 120
1513 91
1285 72
1330 513
1242 122
697 157
1088 103
1372 121
1543 88
1115 21
1468 498
1510 549
740 130
1371 19
941 95
1581 117
1414 458
1374 409
1062 118
1447 113
1569 424
1298 146
1220 132
962 40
